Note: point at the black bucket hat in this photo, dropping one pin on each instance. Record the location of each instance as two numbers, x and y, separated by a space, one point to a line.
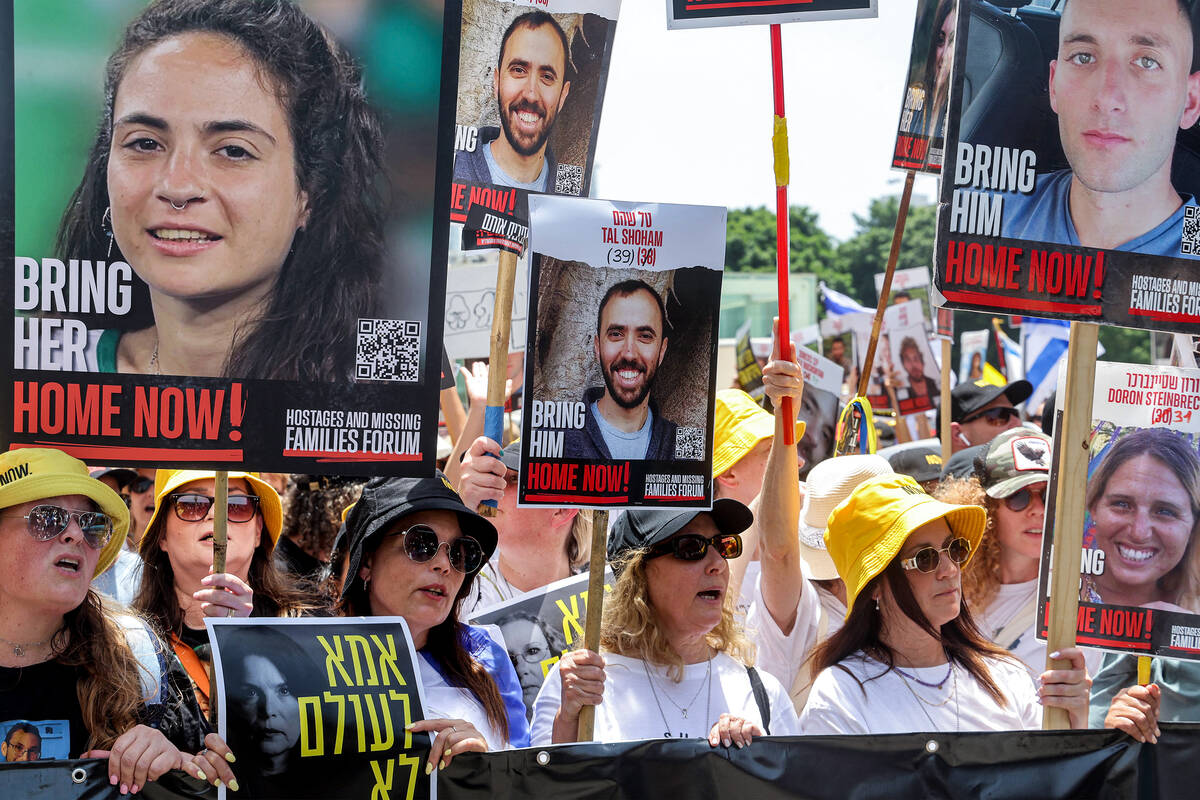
384 500
644 527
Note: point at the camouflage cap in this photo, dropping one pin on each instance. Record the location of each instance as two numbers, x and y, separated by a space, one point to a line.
1015 459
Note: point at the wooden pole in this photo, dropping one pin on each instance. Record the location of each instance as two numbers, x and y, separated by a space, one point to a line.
779 142
493 415
885 291
944 410
1068 505
595 608
220 519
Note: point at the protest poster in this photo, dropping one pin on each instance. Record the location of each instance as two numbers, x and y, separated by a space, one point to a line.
531 80
710 13
540 627
917 373
317 708
1054 212
239 296
819 406
972 354
620 379
839 342
903 282
1138 585
921 134
749 371
470 300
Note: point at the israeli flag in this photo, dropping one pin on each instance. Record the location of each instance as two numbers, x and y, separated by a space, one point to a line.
1045 343
837 304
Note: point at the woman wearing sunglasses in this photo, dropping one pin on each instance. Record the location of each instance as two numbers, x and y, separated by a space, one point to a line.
68 660
675 662
414 551
179 588
1001 585
909 657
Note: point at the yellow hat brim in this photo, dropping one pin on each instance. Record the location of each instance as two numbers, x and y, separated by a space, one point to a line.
167 481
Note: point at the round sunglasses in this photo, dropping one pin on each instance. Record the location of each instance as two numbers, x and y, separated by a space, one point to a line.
693 546
421 544
927 558
194 507
47 522
1020 499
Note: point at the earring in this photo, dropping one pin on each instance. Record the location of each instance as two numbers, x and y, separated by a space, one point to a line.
876 603
106 227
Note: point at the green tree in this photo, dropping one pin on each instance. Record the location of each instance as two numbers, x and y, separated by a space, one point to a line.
866 253
750 244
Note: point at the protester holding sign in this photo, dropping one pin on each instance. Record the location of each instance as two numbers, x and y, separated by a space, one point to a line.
395 535
68 660
671 642
234 171
909 657
179 588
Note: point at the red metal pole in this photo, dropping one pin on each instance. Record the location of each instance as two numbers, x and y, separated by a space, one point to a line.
779 143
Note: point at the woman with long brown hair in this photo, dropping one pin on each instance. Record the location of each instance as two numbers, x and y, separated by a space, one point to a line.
909 657
179 588
69 661
394 539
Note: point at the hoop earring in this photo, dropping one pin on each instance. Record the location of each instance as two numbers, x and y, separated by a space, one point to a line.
106 228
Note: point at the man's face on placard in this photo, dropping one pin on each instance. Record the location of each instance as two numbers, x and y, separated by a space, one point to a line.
531 86
1121 89
914 364
630 346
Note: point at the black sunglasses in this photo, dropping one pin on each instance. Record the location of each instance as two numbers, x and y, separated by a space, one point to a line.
927 558
693 546
141 484
421 545
48 522
194 507
996 416
1020 499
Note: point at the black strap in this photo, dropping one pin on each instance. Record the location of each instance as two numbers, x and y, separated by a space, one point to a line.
760 697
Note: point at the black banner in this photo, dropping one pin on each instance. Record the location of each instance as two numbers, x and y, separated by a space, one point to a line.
1022 764
704 13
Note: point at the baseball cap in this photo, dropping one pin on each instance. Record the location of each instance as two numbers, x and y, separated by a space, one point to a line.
166 481
645 527
962 463
740 424
122 475
869 528
35 473
384 500
970 396
1015 459
922 463
829 483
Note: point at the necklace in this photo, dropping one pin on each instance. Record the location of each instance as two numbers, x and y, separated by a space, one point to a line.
938 685
19 648
922 702
682 709
153 368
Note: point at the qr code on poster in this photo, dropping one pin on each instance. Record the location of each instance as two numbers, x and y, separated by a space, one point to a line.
1190 243
569 180
388 350
689 444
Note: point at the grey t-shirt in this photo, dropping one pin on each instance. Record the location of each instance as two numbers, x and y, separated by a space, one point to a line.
622 445
501 178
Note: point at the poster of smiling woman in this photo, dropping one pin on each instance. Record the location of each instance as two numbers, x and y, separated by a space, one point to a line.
1139 588
620 364
1071 173
223 228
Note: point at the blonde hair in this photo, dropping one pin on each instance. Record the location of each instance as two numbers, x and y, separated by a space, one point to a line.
630 627
981 578
579 540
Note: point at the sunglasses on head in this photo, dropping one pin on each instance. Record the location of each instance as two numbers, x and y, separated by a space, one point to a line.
927 558
194 507
1020 499
999 415
693 546
421 544
48 522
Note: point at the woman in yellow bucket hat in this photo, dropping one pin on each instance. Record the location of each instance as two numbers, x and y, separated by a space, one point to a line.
910 657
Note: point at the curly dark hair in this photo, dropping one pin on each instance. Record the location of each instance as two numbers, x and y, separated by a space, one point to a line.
314 506
305 331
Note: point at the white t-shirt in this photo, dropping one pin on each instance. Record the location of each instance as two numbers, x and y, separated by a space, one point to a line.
1010 600
491 588
443 701
630 711
818 615
624 445
886 702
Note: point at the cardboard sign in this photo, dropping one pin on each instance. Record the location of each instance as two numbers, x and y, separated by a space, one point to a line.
317 708
972 354
1064 212
819 407
1138 590
620 378
749 372
470 302
509 140
488 230
540 627
913 361
251 307
710 13
921 134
